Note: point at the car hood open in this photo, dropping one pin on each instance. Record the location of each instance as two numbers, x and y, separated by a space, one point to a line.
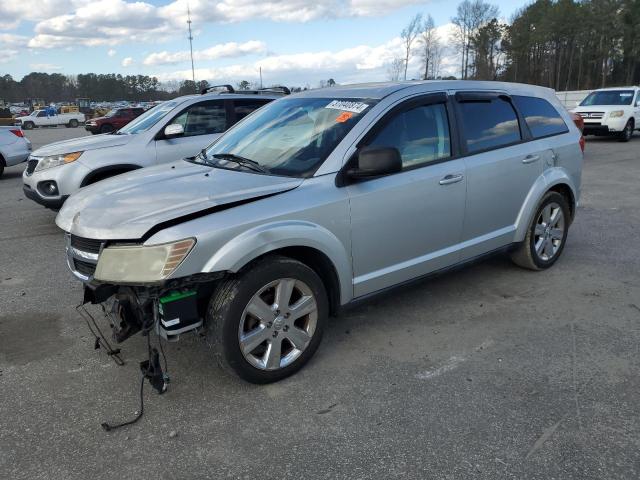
128 206
83 143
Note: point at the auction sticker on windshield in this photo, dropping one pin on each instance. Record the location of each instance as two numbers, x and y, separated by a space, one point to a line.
346 106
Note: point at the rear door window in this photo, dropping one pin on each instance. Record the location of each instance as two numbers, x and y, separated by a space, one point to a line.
541 117
488 124
243 108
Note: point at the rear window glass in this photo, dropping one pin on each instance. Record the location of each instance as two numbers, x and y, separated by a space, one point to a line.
542 119
489 124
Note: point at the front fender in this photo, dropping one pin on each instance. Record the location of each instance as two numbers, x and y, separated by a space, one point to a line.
266 238
550 178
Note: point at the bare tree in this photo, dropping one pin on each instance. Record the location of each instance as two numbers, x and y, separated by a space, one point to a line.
395 68
471 16
430 46
409 35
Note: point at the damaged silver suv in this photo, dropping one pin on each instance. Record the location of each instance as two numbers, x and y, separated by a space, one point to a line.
321 199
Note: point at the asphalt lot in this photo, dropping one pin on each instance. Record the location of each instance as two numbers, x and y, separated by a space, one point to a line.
489 372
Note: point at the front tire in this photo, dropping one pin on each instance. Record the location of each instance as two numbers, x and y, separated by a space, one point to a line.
547 234
28 125
627 133
73 123
266 322
106 128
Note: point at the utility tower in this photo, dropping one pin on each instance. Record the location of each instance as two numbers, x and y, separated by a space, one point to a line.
193 71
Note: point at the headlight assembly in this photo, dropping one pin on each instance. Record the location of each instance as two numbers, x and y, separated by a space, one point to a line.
616 114
56 160
140 263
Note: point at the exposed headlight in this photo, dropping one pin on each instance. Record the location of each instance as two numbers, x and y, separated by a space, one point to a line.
616 113
93 124
55 160
140 263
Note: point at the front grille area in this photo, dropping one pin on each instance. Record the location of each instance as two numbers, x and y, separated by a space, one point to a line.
85 268
31 166
591 114
88 245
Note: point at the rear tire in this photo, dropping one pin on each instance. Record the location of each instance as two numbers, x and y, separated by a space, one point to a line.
547 234
254 337
1 165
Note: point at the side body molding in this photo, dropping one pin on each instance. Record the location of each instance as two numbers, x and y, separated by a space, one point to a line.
550 178
266 238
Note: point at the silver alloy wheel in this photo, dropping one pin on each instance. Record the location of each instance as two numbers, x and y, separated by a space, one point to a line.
278 323
549 231
628 131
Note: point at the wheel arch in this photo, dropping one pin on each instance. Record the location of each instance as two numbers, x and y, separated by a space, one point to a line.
106 172
557 180
308 243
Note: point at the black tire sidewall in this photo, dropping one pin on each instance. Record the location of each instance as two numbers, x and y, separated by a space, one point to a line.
27 126
73 124
249 283
627 133
547 199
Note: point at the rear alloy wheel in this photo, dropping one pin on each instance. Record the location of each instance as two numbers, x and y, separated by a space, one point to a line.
266 323
627 133
547 234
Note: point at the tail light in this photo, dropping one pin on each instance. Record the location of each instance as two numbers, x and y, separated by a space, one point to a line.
17 133
581 142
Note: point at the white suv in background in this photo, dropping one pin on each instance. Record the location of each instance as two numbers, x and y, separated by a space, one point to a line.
175 129
611 111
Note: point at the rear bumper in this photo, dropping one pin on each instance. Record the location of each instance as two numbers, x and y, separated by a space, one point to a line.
52 203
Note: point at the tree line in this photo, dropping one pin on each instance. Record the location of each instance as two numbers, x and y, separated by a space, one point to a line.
55 87
562 44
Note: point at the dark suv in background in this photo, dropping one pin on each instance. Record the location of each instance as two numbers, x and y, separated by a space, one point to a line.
114 120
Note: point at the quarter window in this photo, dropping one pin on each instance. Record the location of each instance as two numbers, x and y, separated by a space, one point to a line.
421 135
488 124
542 119
203 119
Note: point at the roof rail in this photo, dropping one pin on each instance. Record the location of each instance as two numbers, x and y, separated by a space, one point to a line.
276 88
229 88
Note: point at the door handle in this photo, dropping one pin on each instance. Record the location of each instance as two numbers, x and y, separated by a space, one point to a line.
449 179
531 158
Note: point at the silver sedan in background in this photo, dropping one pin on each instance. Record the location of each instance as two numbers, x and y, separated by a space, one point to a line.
14 147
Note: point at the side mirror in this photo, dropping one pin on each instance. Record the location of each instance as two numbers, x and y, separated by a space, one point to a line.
376 162
174 130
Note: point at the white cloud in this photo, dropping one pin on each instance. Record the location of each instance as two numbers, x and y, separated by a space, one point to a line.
111 52
13 12
44 67
9 40
225 50
127 62
101 22
361 63
6 55
112 22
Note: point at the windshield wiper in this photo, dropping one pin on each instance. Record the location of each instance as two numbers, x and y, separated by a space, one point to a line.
245 162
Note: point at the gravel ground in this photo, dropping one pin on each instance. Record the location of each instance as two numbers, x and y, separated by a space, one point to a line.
489 372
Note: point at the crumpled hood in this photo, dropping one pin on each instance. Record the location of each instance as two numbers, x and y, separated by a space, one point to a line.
128 206
83 143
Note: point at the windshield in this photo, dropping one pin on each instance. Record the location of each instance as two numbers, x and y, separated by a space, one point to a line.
289 137
608 97
148 119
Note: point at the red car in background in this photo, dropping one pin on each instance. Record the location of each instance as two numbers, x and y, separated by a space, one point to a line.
114 120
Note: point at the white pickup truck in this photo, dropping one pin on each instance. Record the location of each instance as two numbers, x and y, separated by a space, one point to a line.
40 118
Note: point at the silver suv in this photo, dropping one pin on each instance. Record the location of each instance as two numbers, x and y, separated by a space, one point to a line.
172 130
321 199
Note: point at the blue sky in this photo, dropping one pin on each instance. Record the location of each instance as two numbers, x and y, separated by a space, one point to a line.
295 41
